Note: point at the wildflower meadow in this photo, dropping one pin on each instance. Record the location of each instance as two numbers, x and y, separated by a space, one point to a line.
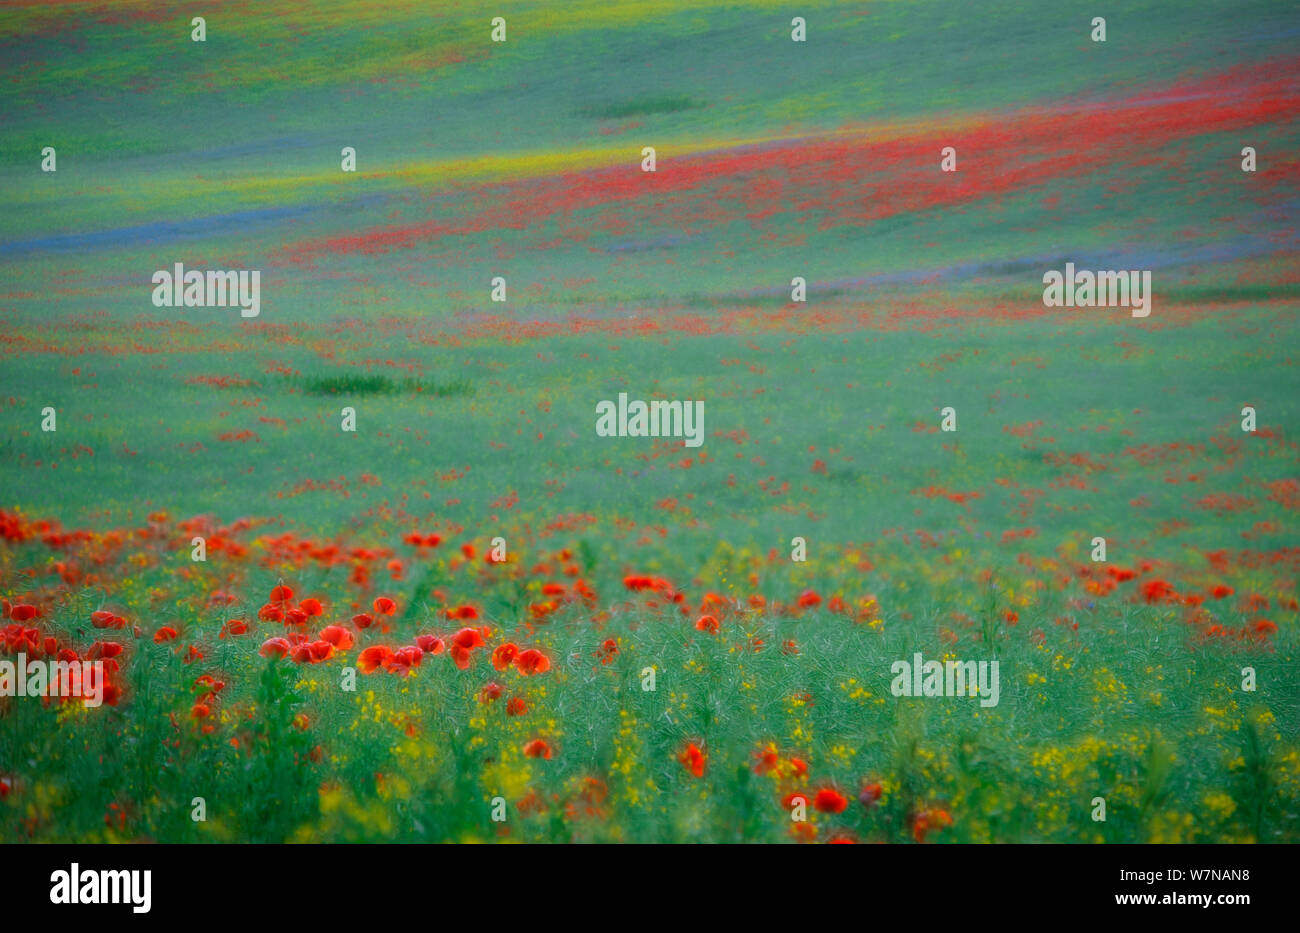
649 422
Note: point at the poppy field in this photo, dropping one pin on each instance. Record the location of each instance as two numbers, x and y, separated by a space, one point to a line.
359 567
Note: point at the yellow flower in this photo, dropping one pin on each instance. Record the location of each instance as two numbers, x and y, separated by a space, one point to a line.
1219 803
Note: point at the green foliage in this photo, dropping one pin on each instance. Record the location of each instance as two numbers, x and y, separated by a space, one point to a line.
378 384
643 107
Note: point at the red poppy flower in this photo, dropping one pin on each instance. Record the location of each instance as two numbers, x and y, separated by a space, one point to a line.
531 803
516 707
707 624
103 649
766 760
112 693
430 644
166 633
503 655
542 610
492 691
385 606
468 638
869 794
1154 591
372 658
461 656
311 606
809 598
337 636
531 661
537 748
403 660
829 800
281 594
274 648
363 620
693 759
